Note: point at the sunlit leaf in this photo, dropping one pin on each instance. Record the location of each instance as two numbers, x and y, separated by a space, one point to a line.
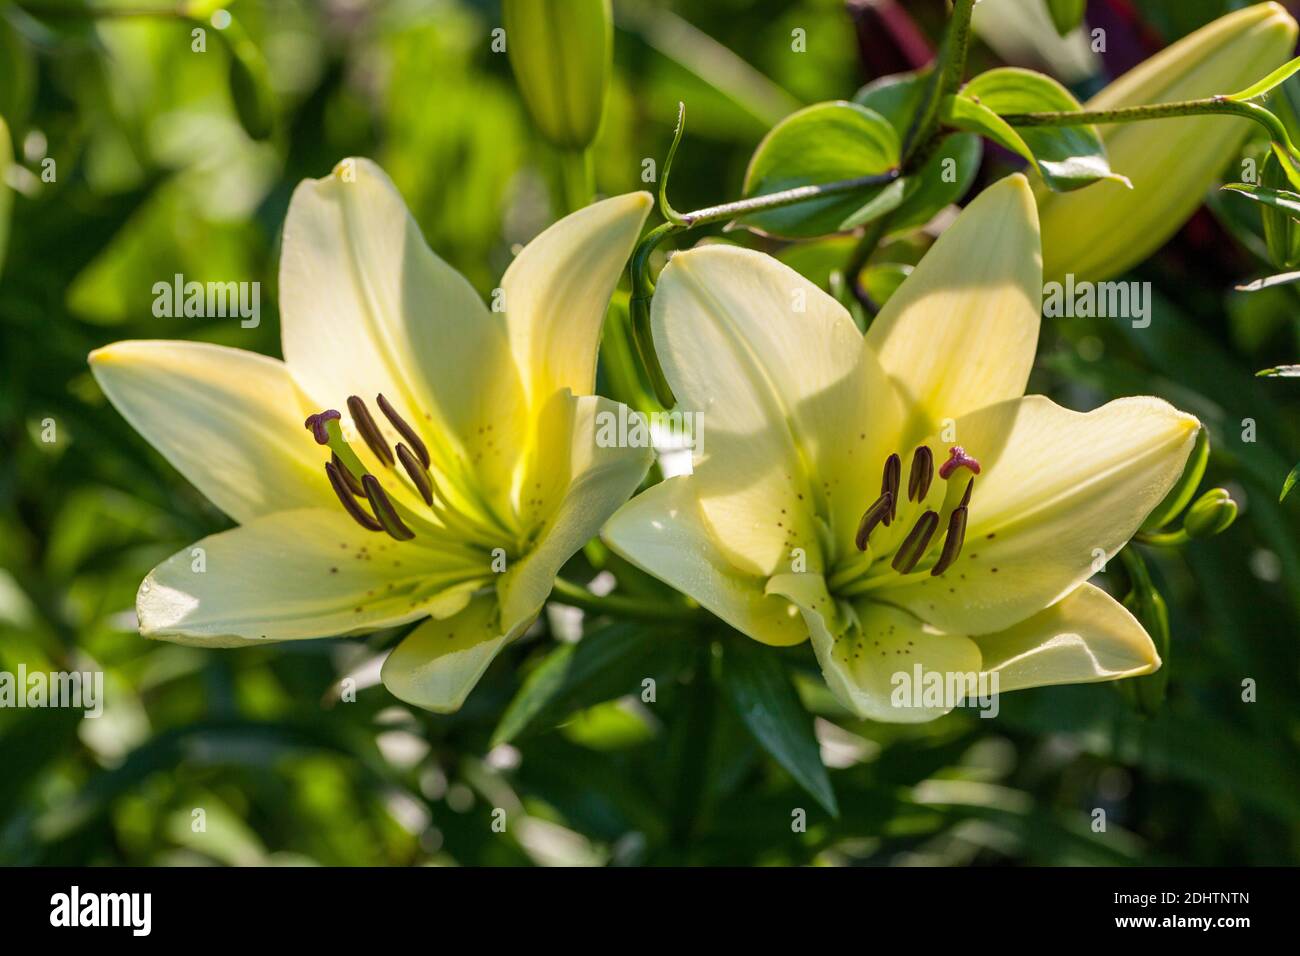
1068 157
821 144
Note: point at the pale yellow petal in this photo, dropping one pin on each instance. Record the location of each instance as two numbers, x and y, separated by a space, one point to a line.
1085 637
367 308
558 288
773 364
298 574
1060 493
586 487
439 663
961 331
870 659
663 532
230 421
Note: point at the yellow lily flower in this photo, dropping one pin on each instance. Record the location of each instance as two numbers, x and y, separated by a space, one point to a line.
896 497
449 466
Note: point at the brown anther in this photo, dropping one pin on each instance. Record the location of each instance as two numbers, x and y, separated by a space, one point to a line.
889 483
419 476
405 430
952 542
921 475
878 512
349 479
369 431
915 544
350 504
384 510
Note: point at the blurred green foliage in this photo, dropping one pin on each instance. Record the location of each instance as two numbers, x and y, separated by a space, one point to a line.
156 173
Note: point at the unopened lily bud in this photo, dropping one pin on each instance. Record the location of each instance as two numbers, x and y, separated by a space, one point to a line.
560 51
1213 512
1098 232
1181 493
1281 232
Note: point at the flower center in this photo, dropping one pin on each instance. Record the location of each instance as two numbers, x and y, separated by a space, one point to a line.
920 549
410 463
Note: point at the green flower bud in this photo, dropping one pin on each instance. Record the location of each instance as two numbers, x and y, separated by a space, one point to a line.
1213 512
1098 232
1281 232
1181 493
1148 606
561 53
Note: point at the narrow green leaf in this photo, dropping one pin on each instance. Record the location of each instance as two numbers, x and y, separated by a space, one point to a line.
1067 157
1287 485
818 145
1274 79
605 664
765 700
1277 198
1066 14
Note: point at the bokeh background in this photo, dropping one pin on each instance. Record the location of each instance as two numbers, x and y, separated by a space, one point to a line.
156 175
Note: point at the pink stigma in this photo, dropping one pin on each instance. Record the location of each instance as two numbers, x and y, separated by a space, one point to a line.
316 425
957 458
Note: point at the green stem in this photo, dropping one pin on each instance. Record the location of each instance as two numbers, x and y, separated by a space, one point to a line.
1130 114
944 79
578 175
617 605
871 238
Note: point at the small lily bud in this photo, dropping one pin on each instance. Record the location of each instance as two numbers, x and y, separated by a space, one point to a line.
1281 232
561 53
1213 512
1098 232
1181 493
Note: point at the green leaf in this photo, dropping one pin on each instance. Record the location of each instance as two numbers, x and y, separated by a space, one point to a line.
1274 79
944 179
606 663
946 175
1287 485
896 97
1148 606
883 279
761 692
1067 157
1277 198
818 145
1066 14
